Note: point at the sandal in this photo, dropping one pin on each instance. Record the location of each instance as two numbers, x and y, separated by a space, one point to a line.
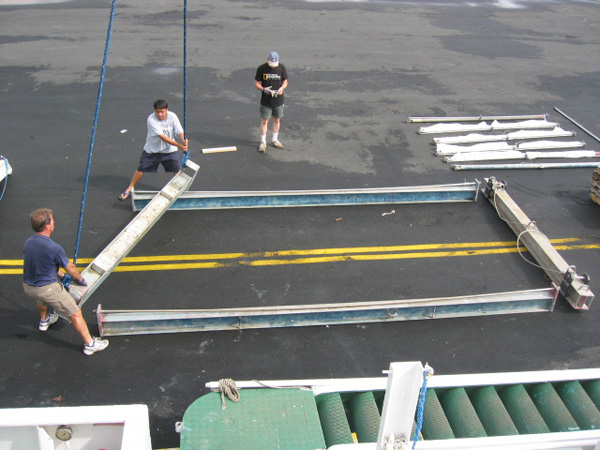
124 196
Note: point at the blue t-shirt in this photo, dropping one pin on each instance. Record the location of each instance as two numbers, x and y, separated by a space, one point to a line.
43 257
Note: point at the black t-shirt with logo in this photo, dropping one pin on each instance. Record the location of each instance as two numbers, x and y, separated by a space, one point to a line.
271 77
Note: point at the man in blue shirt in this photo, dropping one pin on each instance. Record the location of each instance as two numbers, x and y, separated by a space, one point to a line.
43 259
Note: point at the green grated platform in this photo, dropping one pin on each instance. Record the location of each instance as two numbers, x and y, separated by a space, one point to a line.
266 419
293 419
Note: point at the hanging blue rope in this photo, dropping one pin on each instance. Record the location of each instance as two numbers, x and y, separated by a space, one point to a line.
427 372
185 156
96 113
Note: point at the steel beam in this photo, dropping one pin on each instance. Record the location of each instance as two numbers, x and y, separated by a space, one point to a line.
130 322
474 118
572 286
460 192
109 258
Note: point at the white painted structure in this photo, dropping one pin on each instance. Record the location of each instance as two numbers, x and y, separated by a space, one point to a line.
124 427
402 387
5 168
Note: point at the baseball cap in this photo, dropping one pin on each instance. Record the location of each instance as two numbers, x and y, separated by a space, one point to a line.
273 59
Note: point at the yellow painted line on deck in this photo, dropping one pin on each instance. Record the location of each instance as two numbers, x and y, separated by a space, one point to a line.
312 256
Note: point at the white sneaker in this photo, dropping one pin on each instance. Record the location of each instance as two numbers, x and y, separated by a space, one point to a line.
277 144
96 346
262 147
50 319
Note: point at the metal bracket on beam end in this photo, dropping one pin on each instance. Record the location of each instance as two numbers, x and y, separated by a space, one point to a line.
492 186
489 187
570 277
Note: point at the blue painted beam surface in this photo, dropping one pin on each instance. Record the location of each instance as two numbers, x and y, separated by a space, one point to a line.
463 192
126 322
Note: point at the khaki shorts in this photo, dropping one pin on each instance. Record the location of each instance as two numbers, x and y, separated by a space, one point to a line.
54 295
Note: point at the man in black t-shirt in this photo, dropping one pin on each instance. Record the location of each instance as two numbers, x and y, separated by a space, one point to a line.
271 79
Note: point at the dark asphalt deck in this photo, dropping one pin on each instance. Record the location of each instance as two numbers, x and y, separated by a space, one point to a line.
357 71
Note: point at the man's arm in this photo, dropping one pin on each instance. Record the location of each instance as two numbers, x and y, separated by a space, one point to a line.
72 270
284 85
182 146
258 85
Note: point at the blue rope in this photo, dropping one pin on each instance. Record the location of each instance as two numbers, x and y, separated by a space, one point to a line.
96 114
421 404
185 156
5 179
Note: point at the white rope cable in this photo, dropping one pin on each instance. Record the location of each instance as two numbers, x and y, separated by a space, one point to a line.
531 226
227 387
529 230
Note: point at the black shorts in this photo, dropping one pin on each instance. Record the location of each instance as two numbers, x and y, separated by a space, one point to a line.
149 162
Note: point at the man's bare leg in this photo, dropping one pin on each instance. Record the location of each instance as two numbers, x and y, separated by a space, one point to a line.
81 327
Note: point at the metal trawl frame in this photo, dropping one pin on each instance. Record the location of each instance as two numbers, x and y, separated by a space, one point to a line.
452 149
514 154
525 166
109 258
484 126
572 286
130 322
459 192
476 118
514 136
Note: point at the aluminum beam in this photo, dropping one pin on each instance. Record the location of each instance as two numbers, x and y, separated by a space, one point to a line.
573 286
474 118
131 322
460 192
109 258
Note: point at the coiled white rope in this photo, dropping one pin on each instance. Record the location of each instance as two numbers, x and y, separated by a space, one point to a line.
227 387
